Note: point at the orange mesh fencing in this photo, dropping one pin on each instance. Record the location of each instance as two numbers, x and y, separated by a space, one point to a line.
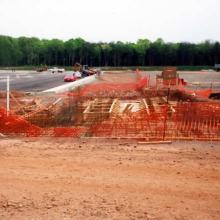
68 132
188 120
13 124
185 120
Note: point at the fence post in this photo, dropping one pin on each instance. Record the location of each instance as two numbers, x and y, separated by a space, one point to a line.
165 122
8 96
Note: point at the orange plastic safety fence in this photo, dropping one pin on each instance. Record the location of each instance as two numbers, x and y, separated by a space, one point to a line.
195 120
68 132
16 125
13 124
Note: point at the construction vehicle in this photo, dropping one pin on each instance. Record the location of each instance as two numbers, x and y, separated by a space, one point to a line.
42 68
84 70
169 77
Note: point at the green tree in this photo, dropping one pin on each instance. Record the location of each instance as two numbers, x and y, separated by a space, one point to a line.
33 51
141 48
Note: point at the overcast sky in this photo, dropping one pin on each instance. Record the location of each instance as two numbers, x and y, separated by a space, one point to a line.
112 20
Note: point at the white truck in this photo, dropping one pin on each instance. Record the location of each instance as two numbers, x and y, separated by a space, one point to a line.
56 70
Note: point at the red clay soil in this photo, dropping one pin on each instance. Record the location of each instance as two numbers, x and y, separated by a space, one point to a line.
90 179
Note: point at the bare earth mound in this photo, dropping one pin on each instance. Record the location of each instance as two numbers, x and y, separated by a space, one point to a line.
89 179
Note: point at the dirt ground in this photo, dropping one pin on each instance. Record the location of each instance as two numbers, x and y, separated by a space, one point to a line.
52 178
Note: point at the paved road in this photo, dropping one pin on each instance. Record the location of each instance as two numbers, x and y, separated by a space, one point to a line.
30 81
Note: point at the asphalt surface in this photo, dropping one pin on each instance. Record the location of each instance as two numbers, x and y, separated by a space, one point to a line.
31 81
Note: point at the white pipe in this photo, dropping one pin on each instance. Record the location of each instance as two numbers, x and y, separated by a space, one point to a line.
8 95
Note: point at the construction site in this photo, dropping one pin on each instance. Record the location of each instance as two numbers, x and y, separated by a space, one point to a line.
129 145
142 108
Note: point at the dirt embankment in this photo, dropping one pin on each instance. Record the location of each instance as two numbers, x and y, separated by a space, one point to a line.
88 179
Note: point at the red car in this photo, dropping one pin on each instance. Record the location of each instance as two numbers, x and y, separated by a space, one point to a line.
70 77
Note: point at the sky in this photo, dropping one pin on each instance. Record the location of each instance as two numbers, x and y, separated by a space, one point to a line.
112 20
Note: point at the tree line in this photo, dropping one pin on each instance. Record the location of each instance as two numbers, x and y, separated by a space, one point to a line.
35 52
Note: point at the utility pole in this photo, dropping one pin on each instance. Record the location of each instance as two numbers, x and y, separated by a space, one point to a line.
8 95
